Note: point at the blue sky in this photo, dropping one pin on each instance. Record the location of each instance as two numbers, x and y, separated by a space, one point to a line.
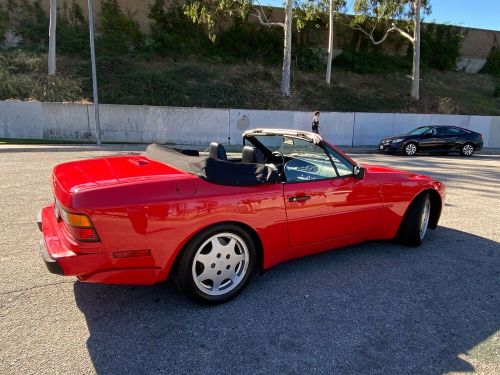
482 14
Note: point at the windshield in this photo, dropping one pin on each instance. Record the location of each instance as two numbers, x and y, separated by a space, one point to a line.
419 131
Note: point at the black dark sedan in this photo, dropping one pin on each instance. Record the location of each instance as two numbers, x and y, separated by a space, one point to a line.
430 139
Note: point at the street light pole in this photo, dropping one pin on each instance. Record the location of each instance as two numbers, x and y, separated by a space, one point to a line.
94 74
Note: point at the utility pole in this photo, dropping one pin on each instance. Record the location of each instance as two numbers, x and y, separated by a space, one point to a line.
94 74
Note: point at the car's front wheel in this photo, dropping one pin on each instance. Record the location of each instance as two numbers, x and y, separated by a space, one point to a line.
216 265
416 221
410 149
467 149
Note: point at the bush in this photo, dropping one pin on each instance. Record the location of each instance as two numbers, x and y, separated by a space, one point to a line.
252 42
72 31
496 92
31 22
440 46
372 63
21 78
4 22
173 33
492 65
120 33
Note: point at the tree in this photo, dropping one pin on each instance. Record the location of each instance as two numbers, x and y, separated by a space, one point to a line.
52 38
287 44
400 15
211 13
314 10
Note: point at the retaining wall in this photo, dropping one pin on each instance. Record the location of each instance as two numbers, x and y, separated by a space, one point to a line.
199 126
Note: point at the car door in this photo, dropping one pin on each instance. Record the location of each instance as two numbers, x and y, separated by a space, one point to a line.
430 140
331 203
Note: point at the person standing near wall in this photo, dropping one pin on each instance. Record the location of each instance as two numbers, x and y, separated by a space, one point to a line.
315 123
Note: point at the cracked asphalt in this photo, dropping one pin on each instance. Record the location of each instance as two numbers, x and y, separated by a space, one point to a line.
375 308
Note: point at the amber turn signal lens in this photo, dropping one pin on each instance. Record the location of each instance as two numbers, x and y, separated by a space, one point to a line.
76 220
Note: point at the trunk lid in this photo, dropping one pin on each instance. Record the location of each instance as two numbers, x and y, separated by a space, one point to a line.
77 176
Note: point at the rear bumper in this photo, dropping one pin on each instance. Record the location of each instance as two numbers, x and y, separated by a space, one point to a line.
50 262
98 267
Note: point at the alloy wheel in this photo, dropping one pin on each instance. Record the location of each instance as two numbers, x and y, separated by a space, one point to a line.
410 149
468 149
424 219
220 263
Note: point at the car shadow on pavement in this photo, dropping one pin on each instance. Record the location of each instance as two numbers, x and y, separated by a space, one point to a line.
374 308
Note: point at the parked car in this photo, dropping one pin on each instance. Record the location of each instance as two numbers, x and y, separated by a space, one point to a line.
209 222
430 139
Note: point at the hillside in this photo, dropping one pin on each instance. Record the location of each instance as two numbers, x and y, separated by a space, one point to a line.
212 82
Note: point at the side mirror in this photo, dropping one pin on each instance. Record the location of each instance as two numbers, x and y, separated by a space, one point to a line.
359 172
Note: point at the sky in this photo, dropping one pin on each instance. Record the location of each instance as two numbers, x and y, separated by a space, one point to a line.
481 14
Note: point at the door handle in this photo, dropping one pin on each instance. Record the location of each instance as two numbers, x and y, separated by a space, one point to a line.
299 198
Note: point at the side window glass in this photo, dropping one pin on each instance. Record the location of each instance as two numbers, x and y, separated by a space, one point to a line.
344 168
307 162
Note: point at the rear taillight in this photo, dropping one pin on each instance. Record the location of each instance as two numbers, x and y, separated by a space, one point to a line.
78 225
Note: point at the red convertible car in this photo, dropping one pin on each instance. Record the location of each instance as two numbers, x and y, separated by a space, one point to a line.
209 222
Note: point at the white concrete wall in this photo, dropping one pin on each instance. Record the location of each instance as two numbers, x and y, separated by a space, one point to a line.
200 126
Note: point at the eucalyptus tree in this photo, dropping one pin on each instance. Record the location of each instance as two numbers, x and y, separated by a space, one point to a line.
399 16
315 10
212 12
287 25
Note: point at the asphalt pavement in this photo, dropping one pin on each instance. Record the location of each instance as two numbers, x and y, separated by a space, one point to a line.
375 308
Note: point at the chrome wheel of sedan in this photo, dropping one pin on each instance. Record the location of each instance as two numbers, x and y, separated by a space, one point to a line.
220 264
467 149
410 149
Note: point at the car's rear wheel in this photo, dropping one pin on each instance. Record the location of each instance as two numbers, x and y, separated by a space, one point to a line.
416 221
467 149
410 149
216 265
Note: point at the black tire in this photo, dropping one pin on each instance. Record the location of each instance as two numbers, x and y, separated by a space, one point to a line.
199 291
410 228
410 149
467 149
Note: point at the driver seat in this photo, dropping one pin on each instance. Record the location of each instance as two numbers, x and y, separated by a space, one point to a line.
217 151
251 154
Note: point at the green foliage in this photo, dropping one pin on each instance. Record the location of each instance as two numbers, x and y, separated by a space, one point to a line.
252 42
173 33
4 22
440 46
21 78
372 63
306 59
72 30
212 12
31 22
492 65
496 92
120 33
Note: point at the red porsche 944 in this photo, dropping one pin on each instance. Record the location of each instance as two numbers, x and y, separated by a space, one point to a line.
209 222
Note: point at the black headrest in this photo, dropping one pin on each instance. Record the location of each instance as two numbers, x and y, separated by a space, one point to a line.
251 154
217 151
